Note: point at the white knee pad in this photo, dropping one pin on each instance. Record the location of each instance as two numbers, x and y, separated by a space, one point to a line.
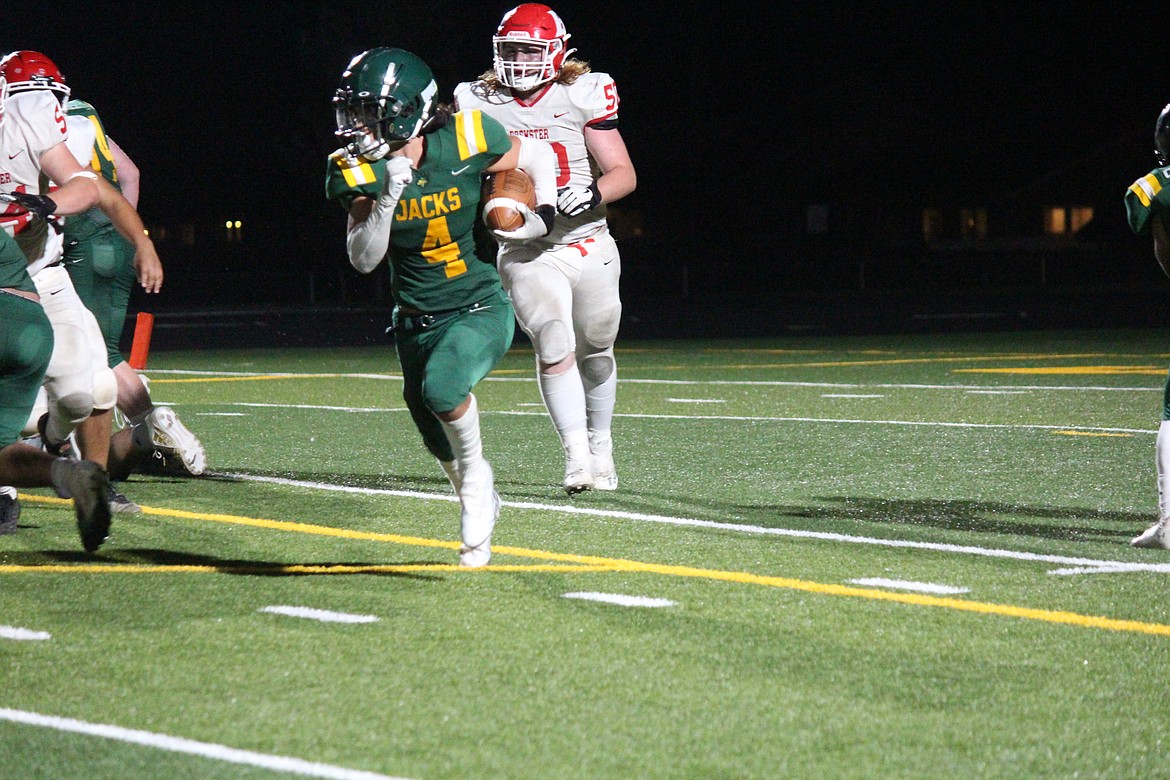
553 342
105 389
75 407
598 366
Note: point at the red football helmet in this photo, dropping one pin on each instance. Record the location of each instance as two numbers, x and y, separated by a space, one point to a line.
27 70
529 47
3 94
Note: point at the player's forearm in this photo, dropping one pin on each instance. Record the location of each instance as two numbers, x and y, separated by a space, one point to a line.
617 183
75 196
123 216
368 236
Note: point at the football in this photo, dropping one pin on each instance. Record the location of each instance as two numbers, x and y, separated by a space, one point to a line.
501 193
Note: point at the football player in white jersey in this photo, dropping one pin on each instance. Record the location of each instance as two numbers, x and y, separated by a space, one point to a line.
564 286
29 351
34 157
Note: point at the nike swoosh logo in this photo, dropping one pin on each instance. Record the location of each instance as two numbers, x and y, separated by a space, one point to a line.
558 116
54 292
14 156
461 170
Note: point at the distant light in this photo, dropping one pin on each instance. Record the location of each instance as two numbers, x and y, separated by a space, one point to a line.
238 224
228 224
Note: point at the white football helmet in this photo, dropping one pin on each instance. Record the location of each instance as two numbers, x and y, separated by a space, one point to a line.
3 95
529 47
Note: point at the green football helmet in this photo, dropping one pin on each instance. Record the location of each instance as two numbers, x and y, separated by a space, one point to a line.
385 98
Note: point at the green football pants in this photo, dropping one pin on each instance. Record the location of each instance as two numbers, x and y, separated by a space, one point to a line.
26 344
443 361
102 271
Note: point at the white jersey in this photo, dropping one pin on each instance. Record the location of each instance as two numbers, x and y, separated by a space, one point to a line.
81 140
559 115
34 122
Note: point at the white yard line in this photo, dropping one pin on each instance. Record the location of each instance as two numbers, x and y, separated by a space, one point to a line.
324 615
620 600
918 587
210 750
1092 564
23 634
728 417
730 382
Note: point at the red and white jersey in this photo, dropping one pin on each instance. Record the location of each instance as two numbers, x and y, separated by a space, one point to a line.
559 116
34 122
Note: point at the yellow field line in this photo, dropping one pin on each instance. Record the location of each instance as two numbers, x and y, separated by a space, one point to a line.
597 563
242 378
276 568
271 377
1090 433
1069 370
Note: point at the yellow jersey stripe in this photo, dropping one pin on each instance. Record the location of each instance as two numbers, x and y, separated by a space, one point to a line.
1146 189
470 135
359 174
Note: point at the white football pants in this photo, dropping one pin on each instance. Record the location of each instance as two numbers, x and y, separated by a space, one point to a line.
78 379
566 298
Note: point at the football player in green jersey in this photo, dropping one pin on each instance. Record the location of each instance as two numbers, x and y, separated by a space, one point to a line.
1147 204
104 267
409 176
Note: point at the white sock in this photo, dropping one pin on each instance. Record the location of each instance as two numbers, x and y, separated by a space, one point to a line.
464 437
1163 462
564 397
451 469
599 402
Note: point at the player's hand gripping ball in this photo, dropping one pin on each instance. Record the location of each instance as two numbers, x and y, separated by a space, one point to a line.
502 194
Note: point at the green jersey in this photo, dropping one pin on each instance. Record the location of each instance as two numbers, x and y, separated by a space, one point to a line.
1147 197
14 265
85 127
433 262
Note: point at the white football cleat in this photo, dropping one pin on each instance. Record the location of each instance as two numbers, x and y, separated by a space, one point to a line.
479 508
170 437
578 469
1156 536
604 473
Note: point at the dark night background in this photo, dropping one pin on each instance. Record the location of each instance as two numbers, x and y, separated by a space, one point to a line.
736 118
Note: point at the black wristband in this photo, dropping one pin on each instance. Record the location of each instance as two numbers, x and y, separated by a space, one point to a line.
596 199
549 215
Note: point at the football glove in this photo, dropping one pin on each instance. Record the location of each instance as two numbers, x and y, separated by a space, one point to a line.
41 205
398 175
537 223
574 199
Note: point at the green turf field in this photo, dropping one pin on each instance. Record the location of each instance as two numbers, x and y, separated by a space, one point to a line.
846 557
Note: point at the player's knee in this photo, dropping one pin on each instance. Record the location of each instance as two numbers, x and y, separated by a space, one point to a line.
602 329
598 367
554 342
105 390
443 396
75 407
